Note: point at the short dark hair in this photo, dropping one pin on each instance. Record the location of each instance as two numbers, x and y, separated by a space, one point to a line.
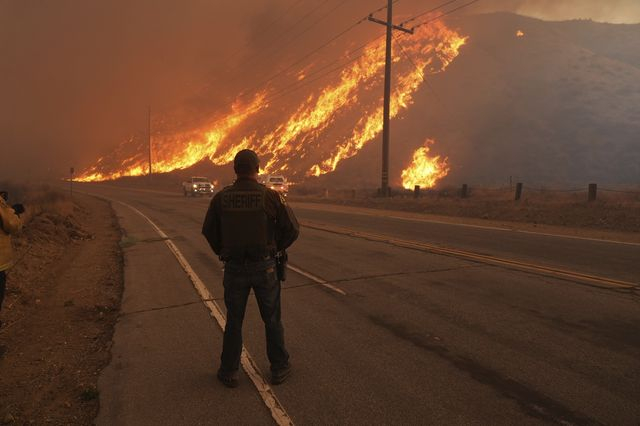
245 169
246 162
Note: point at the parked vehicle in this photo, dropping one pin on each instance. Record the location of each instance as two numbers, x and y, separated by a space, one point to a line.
277 183
197 185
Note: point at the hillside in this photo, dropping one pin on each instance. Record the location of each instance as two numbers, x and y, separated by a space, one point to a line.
558 106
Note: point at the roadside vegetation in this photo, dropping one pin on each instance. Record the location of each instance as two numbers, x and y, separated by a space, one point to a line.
63 297
611 211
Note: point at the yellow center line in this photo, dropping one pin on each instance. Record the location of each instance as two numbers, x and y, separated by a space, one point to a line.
475 257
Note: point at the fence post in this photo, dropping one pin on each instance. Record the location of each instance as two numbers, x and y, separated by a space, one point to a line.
326 193
465 191
593 191
518 191
416 191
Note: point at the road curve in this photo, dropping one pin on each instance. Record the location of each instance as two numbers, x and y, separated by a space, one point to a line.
385 334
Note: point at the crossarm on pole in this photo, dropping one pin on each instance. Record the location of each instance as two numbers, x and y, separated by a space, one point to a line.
395 27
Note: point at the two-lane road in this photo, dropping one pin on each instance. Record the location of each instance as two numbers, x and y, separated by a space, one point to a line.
403 335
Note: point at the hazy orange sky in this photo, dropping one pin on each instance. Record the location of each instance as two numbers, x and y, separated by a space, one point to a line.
77 76
615 11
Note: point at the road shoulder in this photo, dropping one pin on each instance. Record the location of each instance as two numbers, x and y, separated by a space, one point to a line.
62 304
166 345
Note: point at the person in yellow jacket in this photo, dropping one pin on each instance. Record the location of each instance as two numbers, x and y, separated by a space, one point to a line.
10 224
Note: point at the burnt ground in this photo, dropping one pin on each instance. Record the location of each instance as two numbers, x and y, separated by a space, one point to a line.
59 314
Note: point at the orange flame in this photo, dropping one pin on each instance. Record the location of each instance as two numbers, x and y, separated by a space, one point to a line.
425 171
301 144
520 33
437 39
181 150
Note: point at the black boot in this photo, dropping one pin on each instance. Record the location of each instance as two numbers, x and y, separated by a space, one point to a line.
279 375
230 380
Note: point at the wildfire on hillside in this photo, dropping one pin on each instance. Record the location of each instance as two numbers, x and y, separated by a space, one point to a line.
310 140
425 171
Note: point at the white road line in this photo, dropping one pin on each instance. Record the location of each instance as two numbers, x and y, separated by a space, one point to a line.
319 280
248 364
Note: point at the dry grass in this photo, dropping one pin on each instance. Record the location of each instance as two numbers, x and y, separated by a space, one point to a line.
616 211
38 200
62 301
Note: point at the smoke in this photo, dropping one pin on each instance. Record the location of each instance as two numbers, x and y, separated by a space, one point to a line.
613 11
77 76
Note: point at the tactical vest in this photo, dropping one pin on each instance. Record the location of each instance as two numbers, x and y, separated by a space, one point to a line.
247 230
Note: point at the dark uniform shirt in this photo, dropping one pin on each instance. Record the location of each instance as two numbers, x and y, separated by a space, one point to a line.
247 195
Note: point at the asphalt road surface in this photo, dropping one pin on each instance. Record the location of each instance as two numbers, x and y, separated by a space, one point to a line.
380 330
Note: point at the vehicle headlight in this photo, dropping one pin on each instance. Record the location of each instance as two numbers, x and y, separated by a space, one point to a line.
195 186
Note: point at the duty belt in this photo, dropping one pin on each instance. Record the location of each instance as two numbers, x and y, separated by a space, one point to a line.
246 260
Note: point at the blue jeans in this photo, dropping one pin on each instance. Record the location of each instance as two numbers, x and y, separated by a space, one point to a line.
238 281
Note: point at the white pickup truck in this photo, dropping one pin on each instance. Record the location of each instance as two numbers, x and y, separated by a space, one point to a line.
197 185
276 182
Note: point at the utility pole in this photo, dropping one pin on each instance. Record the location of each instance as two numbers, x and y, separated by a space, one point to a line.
149 138
384 189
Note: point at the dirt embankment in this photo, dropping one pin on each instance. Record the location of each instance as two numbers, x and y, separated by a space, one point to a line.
62 304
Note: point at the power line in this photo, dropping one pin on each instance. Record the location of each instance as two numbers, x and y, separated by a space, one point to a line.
299 85
293 39
381 8
427 12
279 18
268 53
386 104
302 19
295 86
309 54
311 12
341 3
306 56
444 106
254 60
320 73
307 81
267 27
342 66
423 23
421 71
313 24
